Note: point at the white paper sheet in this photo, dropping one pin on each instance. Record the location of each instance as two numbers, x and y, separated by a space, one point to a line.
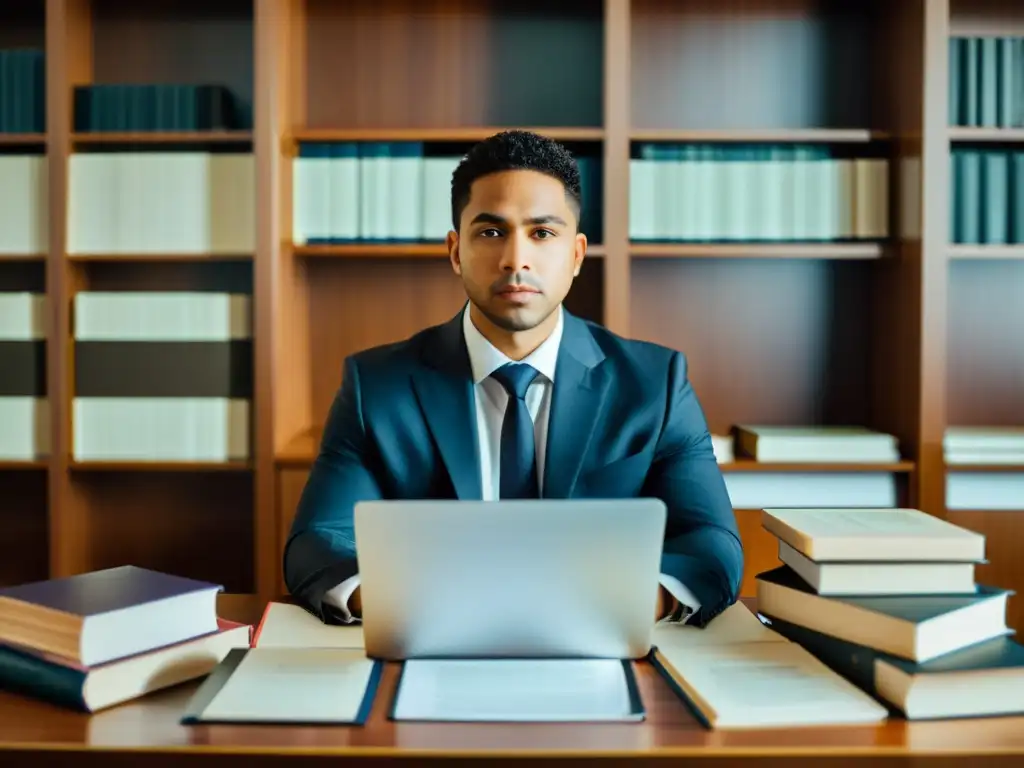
514 690
296 685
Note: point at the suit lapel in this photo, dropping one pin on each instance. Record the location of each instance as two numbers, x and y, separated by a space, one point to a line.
581 385
444 387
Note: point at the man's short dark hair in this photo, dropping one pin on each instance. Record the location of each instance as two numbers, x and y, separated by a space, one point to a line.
514 150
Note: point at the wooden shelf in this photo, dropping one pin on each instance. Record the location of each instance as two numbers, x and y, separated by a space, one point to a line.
773 332
964 468
372 250
441 134
156 258
996 135
752 465
8 465
390 250
160 466
158 138
301 450
967 252
758 250
761 136
21 139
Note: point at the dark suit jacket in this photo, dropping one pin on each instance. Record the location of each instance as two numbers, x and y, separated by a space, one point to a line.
624 422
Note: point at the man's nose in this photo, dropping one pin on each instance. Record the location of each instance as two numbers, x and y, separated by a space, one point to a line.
515 256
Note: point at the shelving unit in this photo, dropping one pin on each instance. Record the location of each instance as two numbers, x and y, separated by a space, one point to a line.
904 333
985 359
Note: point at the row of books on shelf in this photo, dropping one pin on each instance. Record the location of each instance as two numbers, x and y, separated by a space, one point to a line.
987 200
137 203
142 107
999 450
986 81
22 90
204 202
967 448
872 614
706 192
158 376
802 484
376 191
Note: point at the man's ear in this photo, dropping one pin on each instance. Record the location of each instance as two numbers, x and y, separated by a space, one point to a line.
452 241
581 252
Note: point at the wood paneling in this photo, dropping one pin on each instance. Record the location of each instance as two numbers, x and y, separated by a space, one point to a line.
760 549
986 342
769 341
176 41
23 23
196 524
68 61
24 536
738 64
1003 532
828 333
429 63
290 483
986 17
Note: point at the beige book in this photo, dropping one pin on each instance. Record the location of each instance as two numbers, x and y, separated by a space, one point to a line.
736 624
764 684
873 535
287 685
290 626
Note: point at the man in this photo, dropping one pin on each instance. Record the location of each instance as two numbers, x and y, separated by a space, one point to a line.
516 398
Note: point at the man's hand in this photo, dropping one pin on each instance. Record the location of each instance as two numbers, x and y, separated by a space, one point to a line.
666 604
355 604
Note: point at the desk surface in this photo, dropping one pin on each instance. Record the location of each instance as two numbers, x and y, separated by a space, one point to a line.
151 725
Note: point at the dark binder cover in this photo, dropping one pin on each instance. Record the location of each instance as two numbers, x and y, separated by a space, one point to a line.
655 661
913 609
856 662
62 681
212 685
636 708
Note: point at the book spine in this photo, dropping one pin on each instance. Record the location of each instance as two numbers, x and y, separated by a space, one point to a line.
25 674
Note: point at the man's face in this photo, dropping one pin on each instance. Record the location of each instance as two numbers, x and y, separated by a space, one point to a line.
517 249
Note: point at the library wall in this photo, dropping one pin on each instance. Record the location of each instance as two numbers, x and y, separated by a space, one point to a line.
819 203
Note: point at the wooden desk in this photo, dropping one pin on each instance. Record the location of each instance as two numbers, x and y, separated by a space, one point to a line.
147 733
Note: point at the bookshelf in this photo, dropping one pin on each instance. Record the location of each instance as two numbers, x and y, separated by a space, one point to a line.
892 324
984 360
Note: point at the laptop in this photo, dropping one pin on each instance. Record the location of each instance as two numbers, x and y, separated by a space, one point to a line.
548 578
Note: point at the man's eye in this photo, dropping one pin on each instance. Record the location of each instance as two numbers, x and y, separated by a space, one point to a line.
490 233
546 233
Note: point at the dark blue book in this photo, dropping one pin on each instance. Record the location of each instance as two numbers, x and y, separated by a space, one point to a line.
97 617
90 689
982 680
913 627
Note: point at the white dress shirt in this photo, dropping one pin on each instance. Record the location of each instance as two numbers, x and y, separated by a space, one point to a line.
491 399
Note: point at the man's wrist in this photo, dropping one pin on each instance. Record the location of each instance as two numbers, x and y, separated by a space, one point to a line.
669 604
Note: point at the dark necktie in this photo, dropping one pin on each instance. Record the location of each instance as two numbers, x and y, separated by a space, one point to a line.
518 464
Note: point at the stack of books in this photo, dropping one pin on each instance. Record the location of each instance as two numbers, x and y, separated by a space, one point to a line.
887 598
815 444
98 639
984 445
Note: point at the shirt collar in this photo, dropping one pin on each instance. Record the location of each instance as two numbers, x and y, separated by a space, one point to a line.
485 358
